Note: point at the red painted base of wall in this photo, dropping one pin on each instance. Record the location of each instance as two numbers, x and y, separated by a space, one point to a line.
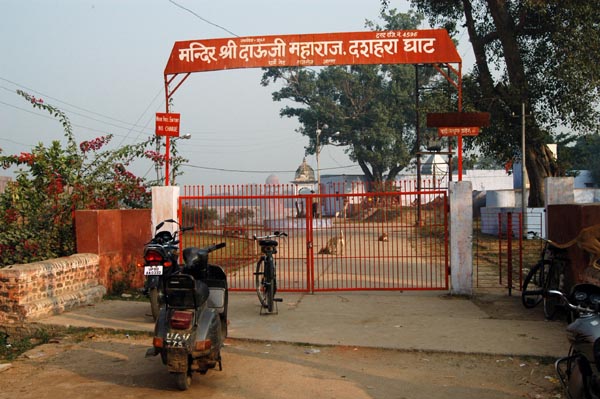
118 237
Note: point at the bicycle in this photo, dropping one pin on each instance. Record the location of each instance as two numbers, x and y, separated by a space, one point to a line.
547 274
265 277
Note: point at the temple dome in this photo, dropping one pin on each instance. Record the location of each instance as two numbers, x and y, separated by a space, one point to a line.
272 179
304 173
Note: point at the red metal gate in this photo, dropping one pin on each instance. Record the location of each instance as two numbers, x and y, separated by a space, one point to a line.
353 241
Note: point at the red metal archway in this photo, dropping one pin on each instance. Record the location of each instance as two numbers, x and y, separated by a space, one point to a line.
429 46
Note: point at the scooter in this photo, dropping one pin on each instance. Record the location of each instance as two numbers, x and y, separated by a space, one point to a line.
579 371
192 326
161 255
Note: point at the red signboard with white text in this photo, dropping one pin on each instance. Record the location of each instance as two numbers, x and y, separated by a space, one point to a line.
427 46
458 131
167 124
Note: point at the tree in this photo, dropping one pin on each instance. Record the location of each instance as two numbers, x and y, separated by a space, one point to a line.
368 108
583 155
36 210
539 53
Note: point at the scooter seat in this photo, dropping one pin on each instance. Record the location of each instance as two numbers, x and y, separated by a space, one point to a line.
184 292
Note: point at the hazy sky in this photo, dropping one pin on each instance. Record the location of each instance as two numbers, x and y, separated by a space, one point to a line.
102 62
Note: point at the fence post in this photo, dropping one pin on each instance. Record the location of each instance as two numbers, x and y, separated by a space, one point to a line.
165 201
461 237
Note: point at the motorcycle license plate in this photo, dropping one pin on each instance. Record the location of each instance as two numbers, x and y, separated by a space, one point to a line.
153 270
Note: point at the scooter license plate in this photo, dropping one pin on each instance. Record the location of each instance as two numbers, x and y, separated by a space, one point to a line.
153 270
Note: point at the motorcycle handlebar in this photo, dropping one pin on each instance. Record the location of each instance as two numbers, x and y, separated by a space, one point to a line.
564 299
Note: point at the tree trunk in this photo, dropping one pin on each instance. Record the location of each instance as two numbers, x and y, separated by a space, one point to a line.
540 163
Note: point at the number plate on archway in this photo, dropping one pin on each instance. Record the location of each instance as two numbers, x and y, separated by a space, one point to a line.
153 270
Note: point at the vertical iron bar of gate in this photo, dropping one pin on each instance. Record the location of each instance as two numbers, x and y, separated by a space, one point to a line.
500 248
521 216
509 251
310 255
446 239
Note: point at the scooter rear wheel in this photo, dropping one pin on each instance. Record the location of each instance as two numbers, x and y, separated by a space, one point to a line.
183 380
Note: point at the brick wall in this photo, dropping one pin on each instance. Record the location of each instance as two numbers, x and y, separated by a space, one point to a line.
33 290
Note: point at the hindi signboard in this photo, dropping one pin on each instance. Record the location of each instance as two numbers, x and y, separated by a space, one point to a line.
458 131
167 124
349 48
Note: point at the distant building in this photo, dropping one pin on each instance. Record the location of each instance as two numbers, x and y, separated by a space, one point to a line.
304 180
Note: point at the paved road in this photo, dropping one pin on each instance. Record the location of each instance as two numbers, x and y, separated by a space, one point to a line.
491 323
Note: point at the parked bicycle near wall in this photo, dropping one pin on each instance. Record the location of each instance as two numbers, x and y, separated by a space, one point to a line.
265 277
547 274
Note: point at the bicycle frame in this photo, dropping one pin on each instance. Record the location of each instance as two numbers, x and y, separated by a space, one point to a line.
266 275
547 274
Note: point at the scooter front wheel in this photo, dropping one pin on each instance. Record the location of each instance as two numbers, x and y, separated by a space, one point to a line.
183 380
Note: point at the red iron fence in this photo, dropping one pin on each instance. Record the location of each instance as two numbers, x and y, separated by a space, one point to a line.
347 240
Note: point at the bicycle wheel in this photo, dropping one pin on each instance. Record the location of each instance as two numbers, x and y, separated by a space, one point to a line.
270 287
259 282
554 281
532 293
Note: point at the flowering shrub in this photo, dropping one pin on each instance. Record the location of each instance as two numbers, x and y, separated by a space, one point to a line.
36 210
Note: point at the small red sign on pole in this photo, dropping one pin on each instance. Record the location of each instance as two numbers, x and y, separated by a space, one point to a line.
458 131
167 124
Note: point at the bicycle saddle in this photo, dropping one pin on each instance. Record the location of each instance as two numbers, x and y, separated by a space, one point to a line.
268 243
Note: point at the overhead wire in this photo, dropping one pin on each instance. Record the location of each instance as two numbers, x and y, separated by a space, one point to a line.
256 171
202 18
46 96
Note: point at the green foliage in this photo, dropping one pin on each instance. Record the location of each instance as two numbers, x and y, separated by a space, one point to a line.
543 54
10 349
369 109
36 210
583 155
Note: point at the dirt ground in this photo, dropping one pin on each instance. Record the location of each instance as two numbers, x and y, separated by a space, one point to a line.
114 366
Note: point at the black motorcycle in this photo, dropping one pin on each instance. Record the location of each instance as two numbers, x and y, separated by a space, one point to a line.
192 326
579 371
160 260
